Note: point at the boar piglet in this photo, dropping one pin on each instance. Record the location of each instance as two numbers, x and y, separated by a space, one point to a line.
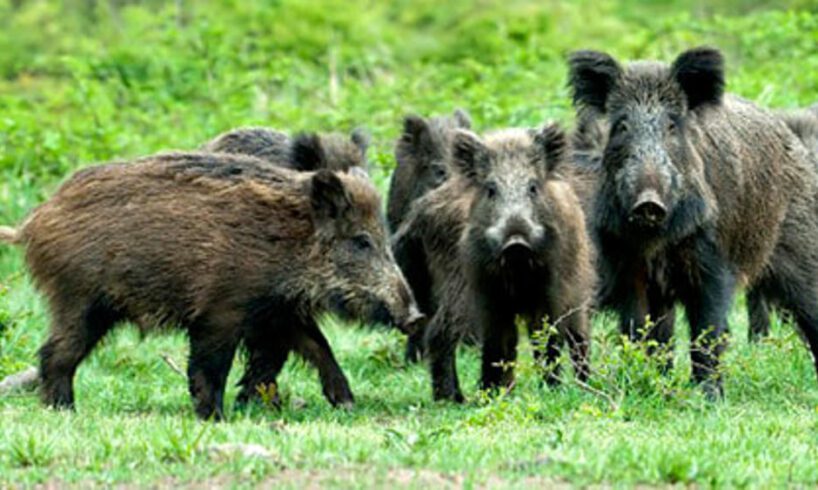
525 251
304 151
699 191
423 163
230 253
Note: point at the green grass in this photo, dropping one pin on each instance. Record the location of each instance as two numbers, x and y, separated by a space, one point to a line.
80 85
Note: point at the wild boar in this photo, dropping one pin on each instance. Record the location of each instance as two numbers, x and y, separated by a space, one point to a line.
524 252
699 190
229 248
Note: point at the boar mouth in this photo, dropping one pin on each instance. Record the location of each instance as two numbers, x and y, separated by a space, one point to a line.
517 253
375 311
381 314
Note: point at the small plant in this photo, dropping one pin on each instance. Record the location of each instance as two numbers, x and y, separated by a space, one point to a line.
269 394
31 451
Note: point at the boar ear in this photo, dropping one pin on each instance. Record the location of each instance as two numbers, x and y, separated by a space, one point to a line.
417 134
469 156
591 76
307 152
328 196
552 146
462 118
360 137
700 73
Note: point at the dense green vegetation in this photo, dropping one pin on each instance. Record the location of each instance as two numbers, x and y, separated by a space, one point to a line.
82 82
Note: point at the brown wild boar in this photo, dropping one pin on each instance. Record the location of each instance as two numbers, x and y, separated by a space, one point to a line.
698 190
231 249
524 252
423 161
305 151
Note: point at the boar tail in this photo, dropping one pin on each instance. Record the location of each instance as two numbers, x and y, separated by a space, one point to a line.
9 235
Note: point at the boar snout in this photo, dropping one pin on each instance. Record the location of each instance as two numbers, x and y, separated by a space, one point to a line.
413 321
649 209
517 252
399 308
516 243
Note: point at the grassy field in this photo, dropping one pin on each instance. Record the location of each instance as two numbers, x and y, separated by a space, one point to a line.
83 82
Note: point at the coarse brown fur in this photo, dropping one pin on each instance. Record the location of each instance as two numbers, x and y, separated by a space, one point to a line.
730 196
423 163
227 247
305 151
426 246
804 123
522 196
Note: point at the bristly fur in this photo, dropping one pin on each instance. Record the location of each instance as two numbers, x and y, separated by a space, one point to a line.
423 163
228 247
423 160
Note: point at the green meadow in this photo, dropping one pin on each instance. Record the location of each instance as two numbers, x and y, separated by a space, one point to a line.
83 82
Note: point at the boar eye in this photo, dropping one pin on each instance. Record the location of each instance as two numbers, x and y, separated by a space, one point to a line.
491 190
439 172
671 126
362 242
621 127
533 189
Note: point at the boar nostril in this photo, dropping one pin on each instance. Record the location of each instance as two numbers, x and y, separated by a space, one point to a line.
649 208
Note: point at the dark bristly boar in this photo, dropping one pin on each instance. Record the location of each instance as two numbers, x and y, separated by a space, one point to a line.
423 163
699 191
305 151
524 252
228 247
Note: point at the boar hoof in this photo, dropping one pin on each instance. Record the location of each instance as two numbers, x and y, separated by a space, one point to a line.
347 405
449 396
340 396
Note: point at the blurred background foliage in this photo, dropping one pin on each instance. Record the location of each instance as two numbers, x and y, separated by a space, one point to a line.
83 81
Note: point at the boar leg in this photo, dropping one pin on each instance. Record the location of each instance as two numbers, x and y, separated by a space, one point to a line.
575 328
313 346
265 358
410 256
74 333
794 286
442 338
707 304
211 354
414 347
758 313
499 350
